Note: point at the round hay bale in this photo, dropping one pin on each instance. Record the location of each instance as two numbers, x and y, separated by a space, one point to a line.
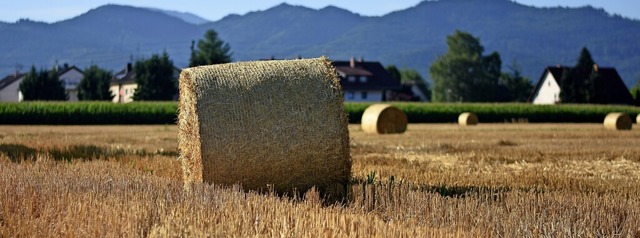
468 119
617 121
384 119
266 125
638 119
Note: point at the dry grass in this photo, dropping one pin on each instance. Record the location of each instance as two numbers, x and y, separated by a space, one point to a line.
511 180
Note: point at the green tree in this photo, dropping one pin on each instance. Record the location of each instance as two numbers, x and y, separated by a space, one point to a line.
574 83
211 50
516 87
95 85
463 73
595 92
42 85
394 72
155 79
635 92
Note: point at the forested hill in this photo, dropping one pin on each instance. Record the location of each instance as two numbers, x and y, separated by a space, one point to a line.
414 37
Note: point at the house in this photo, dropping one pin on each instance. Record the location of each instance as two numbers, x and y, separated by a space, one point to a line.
410 91
9 87
365 81
123 85
547 90
71 77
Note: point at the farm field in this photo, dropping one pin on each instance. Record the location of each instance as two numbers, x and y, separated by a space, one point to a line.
509 180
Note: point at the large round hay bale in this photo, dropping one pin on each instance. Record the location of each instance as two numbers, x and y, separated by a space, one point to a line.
638 119
267 125
617 121
468 119
383 119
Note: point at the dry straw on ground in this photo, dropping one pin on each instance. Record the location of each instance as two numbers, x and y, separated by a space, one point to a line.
617 121
266 125
468 119
384 119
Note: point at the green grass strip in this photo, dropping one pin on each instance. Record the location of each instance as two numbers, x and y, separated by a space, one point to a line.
106 113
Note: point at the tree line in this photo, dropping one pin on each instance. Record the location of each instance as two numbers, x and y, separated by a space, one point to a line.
462 74
154 76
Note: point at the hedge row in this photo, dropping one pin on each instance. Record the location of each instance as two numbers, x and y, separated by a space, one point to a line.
96 113
500 112
87 113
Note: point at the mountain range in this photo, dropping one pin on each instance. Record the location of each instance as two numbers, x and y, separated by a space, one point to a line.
534 38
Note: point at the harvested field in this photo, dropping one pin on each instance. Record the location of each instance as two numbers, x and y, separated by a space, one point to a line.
511 180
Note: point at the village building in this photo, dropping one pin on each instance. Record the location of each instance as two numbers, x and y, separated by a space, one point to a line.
69 75
123 85
364 81
9 87
547 90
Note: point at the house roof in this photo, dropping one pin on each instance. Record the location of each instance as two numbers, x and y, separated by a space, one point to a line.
378 78
67 69
128 75
617 91
123 77
6 81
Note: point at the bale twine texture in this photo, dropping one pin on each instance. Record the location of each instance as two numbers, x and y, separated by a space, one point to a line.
277 125
617 121
468 119
384 119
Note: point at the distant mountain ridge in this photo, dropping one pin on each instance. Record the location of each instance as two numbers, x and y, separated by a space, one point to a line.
185 16
112 35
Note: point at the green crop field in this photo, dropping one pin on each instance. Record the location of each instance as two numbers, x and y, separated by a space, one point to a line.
105 113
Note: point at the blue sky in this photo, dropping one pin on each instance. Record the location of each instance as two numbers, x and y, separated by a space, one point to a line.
51 11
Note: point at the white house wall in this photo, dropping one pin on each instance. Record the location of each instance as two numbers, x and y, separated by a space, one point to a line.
362 96
549 92
124 94
10 92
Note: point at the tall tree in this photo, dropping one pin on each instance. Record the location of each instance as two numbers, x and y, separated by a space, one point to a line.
394 72
595 92
42 85
463 73
95 85
516 87
211 50
155 79
574 81
635 92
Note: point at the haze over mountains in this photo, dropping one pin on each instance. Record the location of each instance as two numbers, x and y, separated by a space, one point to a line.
112 35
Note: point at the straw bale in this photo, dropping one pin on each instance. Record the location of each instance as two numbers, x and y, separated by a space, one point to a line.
638 119
617 121
384 119
267 125
468 119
